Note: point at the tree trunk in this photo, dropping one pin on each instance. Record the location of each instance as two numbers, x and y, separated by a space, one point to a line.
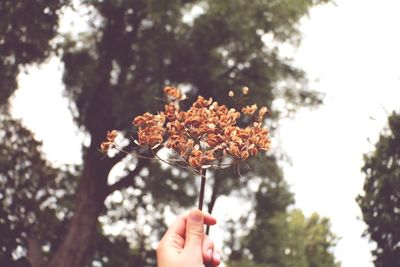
92 191
34 253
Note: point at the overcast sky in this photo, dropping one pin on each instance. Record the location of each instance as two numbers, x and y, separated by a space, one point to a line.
354 51
351 52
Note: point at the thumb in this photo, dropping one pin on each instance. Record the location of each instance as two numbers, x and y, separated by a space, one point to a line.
194 230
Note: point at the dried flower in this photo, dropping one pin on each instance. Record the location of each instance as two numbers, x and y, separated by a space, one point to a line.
249 110
173 93
261 113
202 135
197 134
105 146
111 135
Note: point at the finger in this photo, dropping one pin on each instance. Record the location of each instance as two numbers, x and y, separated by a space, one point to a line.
209 219
178 227
216 258
194 230
208 249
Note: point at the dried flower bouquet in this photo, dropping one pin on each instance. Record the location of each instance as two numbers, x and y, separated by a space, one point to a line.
202 137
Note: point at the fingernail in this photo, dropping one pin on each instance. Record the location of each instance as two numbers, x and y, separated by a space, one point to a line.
196 216
209 253
217 257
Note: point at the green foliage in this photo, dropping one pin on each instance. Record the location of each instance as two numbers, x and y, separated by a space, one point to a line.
380 201
30 191
288 240
245 263
26 28
29 187
138 47
319 242
116 251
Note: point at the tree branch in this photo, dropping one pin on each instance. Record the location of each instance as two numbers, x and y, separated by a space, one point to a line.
214 195
215 190
128 179
35 256
120 156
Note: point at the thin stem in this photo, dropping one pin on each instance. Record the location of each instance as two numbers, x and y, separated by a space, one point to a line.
201 197
202 186
215 189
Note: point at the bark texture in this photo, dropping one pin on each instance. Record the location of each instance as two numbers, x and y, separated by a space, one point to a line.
92 191
34 253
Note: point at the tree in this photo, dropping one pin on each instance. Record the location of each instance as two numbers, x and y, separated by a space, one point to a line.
28 183
26 29
29 188
117 70
380 201
319 242
140 46
278 237
288 240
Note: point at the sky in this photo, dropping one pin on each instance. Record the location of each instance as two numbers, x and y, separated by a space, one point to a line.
350 52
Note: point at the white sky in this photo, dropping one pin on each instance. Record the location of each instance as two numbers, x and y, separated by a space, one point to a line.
353 50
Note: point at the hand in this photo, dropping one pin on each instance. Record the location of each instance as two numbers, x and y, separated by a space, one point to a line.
186 245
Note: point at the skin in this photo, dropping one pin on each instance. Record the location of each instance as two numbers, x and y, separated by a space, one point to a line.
186 245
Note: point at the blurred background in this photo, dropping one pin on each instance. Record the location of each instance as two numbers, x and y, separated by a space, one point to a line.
328 194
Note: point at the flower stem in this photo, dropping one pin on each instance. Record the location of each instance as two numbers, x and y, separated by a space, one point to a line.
201 197
202 186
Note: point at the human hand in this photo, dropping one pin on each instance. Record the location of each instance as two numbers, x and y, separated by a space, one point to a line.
186 245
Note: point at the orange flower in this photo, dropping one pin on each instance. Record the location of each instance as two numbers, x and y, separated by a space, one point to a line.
105 146
261 113
148 120
252 150
151 136
201 131
249 110
208 157
244 155
195 158
173 93
111 135
199 159
171 111
201 102
213 140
